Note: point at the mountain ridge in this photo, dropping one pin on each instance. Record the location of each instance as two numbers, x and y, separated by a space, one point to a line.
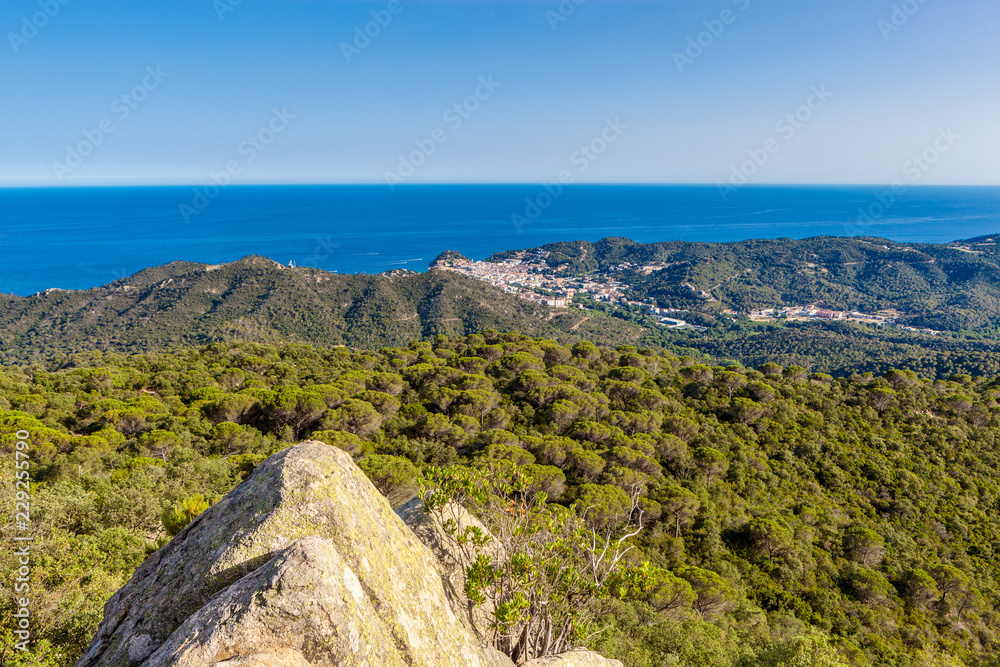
954 288
185 303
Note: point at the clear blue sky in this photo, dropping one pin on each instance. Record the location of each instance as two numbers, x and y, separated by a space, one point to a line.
894 88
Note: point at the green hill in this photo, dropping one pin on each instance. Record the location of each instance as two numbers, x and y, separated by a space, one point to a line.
257 299
954 287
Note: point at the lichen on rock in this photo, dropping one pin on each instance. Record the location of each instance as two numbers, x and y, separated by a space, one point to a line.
305 556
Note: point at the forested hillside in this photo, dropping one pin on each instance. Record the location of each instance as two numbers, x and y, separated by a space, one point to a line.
844 348
947 287
257 299
785 511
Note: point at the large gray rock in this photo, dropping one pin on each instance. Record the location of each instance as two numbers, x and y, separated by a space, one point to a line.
574 658
452 561
303 564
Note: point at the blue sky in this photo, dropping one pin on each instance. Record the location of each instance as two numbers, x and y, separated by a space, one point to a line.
265 91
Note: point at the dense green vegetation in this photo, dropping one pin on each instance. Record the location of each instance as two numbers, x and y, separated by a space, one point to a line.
938 286
256 299
841 348
853 520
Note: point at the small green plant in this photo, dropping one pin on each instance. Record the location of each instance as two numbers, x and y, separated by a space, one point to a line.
180 515
543 574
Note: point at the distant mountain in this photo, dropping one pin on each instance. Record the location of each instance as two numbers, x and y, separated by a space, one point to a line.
951 287
185 303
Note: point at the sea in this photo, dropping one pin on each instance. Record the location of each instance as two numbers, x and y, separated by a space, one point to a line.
78 238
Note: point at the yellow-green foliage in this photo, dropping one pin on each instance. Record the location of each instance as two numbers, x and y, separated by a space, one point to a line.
180 515
799 516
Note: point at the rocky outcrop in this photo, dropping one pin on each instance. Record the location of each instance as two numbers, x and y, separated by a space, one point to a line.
303 565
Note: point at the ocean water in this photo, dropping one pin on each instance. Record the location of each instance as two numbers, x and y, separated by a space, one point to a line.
76 238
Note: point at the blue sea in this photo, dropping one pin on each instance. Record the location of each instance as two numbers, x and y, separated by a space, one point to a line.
76 238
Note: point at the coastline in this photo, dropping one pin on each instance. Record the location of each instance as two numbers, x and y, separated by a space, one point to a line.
78 238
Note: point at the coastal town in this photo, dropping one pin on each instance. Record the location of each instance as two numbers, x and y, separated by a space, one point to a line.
528 275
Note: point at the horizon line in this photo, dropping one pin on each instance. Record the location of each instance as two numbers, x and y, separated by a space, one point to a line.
49 186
